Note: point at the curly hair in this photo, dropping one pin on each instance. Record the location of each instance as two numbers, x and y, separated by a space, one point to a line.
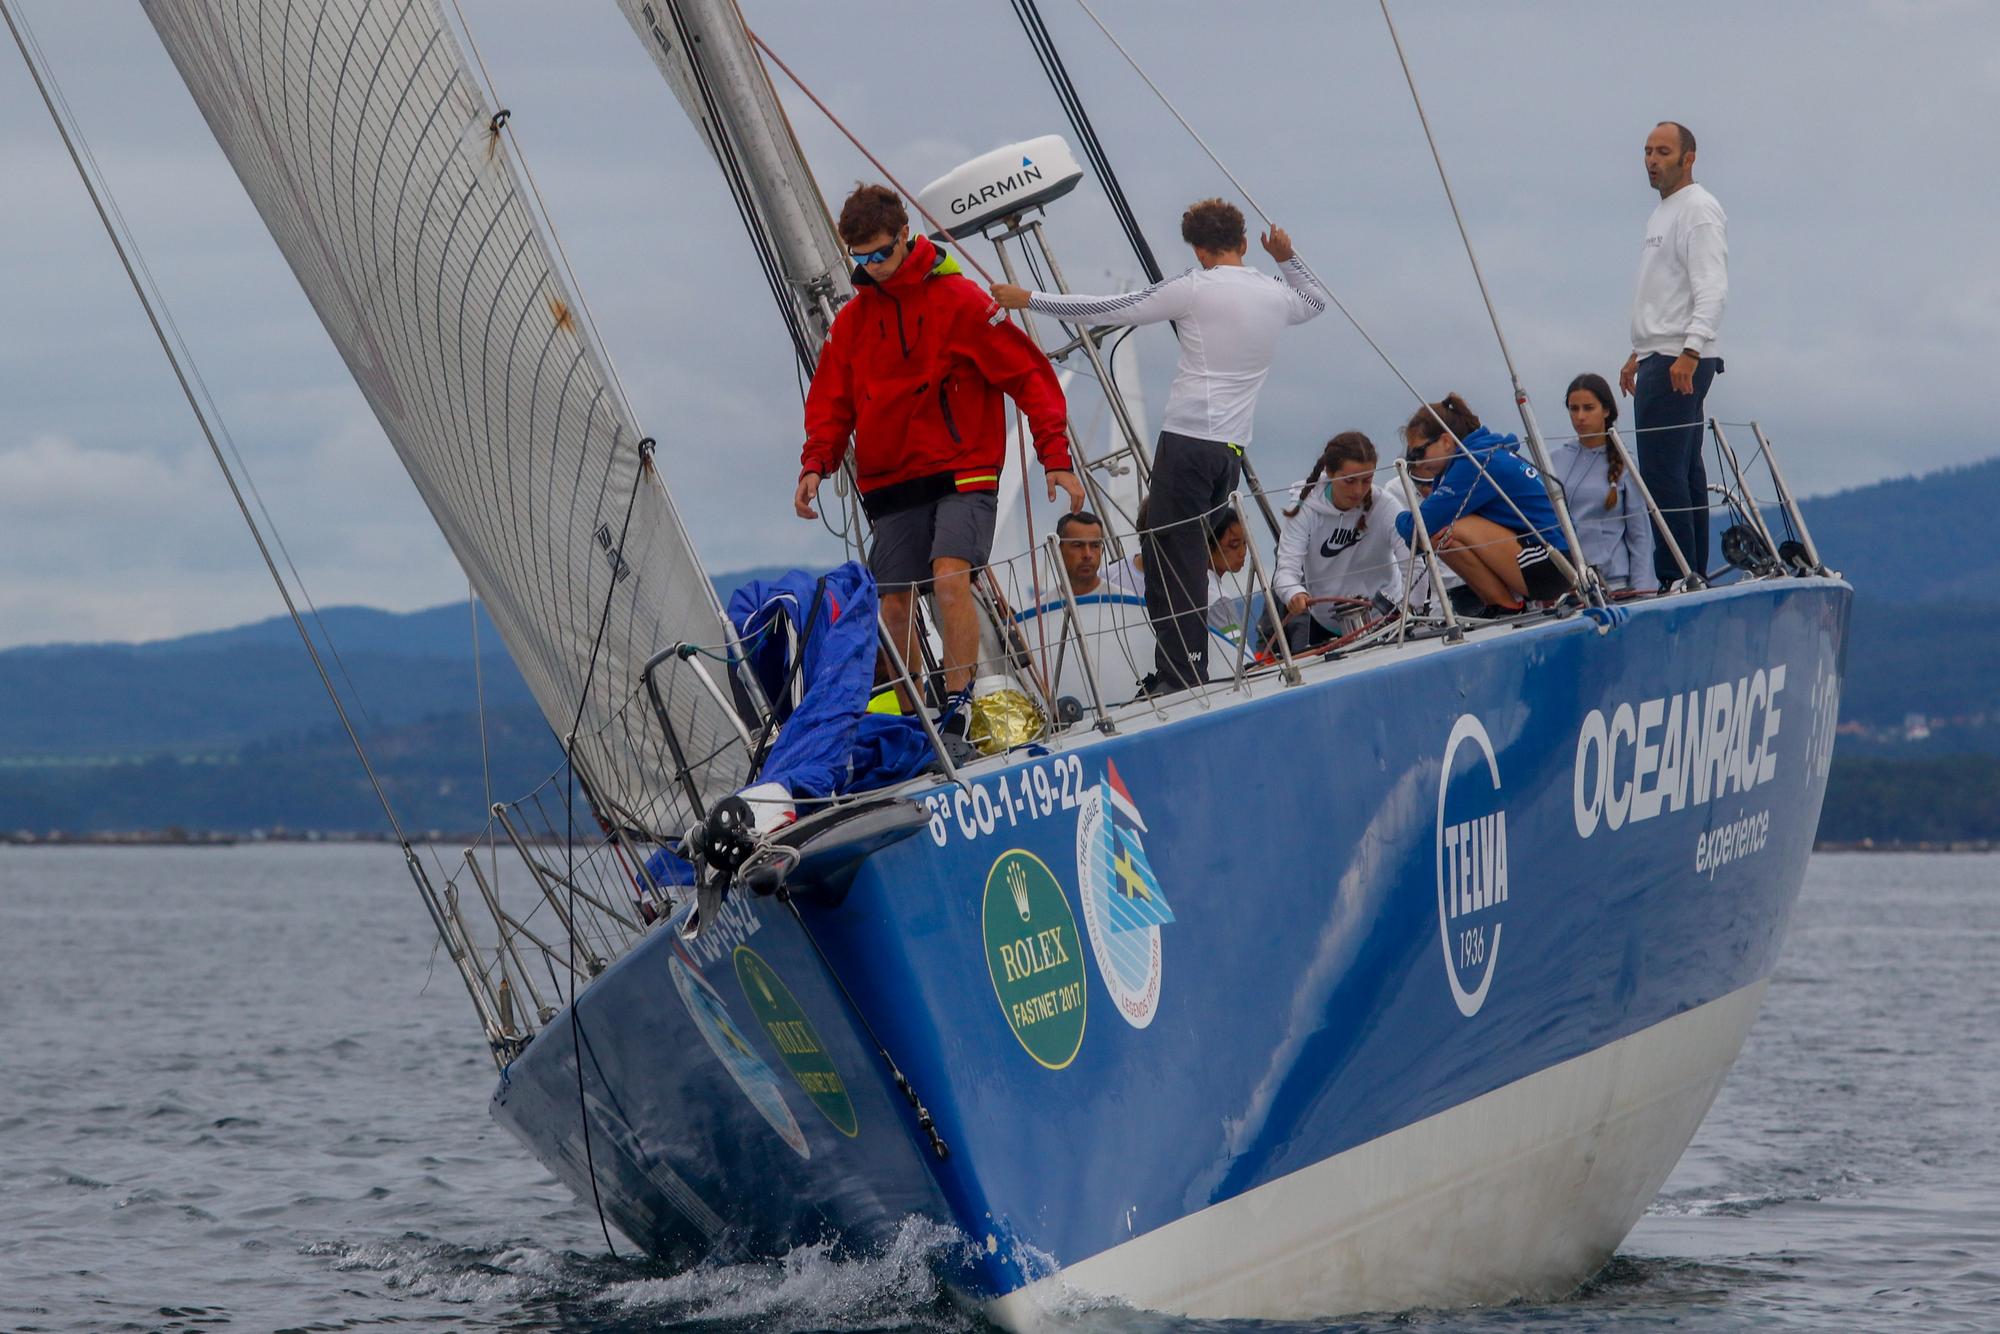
1215 225
871 211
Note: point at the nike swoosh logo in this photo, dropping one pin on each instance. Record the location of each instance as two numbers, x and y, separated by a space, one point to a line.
1339 542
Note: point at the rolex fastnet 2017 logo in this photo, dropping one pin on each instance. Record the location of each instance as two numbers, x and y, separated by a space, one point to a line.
1033 956
1471 863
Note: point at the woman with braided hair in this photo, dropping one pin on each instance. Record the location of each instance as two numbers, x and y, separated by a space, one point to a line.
1611 521
1339 541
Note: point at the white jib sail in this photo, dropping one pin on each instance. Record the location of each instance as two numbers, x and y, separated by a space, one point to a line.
363 140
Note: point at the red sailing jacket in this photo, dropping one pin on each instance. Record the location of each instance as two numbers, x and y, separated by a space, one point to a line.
916 368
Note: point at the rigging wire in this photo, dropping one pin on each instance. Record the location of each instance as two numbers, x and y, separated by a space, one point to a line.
1535 444
1093 148
862 148
569 832
186 355
124 245
1591 590
740 193
485 753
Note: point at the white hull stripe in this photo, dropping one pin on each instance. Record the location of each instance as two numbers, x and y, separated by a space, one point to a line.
1521 1192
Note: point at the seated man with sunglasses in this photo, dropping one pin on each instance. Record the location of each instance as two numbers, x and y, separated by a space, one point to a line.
917 369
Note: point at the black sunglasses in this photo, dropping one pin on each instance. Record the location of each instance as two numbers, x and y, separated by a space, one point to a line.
873 256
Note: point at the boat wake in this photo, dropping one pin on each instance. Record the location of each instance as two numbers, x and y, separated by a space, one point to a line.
812 1288
815 1288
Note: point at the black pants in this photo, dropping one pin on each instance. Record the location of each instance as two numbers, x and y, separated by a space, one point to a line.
1669 431
1191 480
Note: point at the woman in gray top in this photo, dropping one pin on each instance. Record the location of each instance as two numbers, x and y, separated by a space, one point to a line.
1611 520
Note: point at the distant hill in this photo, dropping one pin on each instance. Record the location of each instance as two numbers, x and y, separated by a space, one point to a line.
214 692
1915 539
231 729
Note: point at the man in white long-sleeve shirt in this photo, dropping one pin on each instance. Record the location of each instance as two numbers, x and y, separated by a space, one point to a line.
1228 316
1683 285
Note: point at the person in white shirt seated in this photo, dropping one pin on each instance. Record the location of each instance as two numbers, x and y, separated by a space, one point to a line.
1080 540
1228 550
1610 518
1339 544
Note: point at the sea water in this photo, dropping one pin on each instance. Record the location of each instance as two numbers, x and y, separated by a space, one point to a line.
238 1090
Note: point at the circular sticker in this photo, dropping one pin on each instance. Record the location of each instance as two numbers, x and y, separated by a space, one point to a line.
757 1080
798 1041
1123 904
1033 956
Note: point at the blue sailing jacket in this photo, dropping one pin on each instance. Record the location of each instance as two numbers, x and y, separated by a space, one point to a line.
1464 489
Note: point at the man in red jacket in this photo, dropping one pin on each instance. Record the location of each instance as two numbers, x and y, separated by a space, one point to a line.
915 369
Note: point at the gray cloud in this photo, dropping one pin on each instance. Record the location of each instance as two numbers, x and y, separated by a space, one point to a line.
1840 136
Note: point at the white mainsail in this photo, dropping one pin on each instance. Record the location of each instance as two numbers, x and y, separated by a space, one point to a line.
364 143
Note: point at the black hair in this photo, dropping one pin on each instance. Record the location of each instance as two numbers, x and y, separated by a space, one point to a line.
1432 420
1074 517
1600 389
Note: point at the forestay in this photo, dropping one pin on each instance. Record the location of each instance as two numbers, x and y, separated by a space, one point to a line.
362 138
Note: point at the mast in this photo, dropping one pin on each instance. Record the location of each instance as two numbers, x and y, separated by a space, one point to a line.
703 49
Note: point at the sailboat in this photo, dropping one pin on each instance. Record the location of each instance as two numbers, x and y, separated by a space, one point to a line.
1376 980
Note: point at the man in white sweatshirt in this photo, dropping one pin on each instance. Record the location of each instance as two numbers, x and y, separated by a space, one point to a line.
1683 285
1228 316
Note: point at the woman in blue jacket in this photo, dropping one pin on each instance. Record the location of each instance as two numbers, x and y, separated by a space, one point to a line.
1488 513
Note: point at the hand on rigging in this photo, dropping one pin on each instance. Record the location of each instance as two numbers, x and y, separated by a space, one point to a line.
1010 297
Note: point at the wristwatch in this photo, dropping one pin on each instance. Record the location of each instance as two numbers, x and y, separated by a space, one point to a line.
1690 352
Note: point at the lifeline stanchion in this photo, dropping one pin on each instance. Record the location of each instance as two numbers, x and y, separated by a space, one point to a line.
1615 443
1082 648
1785 499
1423 535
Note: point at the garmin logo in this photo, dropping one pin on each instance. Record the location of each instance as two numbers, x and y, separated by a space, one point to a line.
1471 864
986 194
1668 753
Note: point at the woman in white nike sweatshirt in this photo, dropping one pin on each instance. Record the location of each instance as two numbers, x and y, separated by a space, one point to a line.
1339 541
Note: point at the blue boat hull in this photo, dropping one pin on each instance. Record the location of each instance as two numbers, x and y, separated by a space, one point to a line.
1396 944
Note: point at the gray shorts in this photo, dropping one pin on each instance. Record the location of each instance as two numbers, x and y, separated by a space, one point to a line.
958 526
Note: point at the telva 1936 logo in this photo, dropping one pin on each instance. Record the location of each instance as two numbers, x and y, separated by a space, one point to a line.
1471 863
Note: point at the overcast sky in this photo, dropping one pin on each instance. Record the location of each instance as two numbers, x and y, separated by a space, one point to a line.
1850 143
